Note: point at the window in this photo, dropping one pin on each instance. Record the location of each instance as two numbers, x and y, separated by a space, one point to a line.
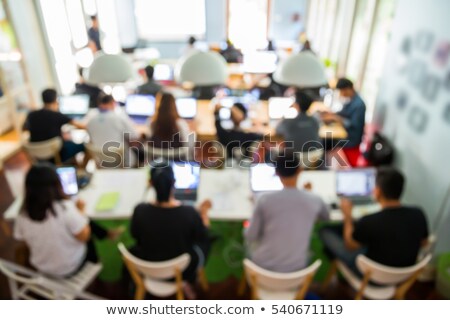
247 23
170 20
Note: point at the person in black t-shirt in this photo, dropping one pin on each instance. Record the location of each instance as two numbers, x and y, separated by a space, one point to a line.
46 123
166 229
94 92
391 237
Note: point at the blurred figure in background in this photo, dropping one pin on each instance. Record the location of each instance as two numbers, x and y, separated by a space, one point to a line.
150 87
94 35
81 87
231 54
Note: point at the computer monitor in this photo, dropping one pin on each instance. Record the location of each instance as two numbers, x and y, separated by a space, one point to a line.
228 102
163 72
74 105
263 178
355 182
187 107
140 105
260 62
187 175
68 178
279 108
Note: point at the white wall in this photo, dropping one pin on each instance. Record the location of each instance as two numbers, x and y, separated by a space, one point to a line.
413 106
28 31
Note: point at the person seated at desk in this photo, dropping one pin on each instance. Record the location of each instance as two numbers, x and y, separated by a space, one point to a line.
81 87
109 127
236 138
391 237
167 129
231 54
352 117
301 134
53 227
46 124
150 87
165 229
280 228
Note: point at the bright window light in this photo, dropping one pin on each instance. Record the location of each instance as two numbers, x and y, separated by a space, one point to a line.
170 19
84 57
89 7
109 31
76 23
247 24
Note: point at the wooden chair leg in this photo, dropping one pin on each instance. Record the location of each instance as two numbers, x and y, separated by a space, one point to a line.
202 279
179 284
242 285
404 288
137 279
365 282
330 274
304 288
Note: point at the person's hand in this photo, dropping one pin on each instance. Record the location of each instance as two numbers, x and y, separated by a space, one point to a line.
217 108
205 206
81 205
307 186
347 208
328 116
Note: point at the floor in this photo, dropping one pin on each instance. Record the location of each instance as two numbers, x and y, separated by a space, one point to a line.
15 169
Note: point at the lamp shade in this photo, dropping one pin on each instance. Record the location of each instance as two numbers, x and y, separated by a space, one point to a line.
109 68
302 70
202 69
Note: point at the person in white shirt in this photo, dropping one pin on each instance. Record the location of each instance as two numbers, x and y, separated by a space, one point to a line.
113 129
53 227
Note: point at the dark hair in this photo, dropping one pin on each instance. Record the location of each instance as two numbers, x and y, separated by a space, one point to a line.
163 180
49 96
105 98
303 100
391 182
344 83
191 40
164 122
287 164
93 18
241 107
149 70
42 189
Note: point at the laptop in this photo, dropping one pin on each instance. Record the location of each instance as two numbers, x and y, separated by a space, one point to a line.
75 106
263 178
356 184
280 108
187 107
163 72
140 107
68 178
187 179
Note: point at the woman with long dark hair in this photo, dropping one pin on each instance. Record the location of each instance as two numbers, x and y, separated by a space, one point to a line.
53 227
166 229
167 129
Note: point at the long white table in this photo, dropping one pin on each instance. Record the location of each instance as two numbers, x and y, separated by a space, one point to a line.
228 189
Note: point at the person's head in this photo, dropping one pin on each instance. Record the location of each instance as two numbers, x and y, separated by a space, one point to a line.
389 184
191 40
238 113
42 189
149 71
345 87
164 122
229 44
106 102
288 168
94 22
50 99
162 179
307 45
303 101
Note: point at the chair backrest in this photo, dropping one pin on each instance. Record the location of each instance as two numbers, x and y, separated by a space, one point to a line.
44 150
389 275
279 281
156 270
114 158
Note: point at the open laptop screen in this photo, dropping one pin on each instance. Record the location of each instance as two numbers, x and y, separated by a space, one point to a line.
355 182
279 108
77 104
264 178
187 175
140 105
68 178
163 72
187 107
